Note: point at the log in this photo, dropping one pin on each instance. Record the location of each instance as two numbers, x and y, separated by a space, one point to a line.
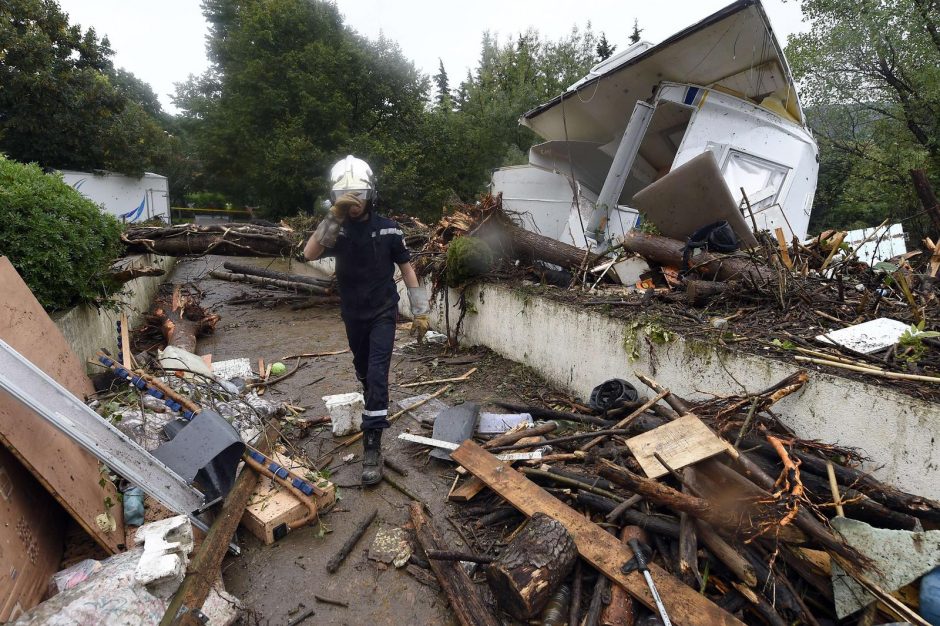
127 269
240 268
271 282
233 239
532 566
698 292
528 246
337 559
464 599
551 414
177 323
666 251
205 566
622 610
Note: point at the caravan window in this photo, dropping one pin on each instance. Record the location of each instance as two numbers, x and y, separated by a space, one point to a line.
761 179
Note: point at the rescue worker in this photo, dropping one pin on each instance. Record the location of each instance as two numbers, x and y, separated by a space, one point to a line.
367 247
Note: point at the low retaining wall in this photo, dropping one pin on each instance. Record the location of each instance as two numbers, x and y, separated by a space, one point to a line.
88 329
577 349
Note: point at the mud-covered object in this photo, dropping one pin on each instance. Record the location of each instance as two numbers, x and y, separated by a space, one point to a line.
611 394
714 237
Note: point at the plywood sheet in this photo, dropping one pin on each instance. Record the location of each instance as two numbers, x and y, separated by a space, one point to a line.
684 606
69 473
681 442
31 535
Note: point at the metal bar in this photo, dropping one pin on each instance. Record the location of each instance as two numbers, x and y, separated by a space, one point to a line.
33 388
447 445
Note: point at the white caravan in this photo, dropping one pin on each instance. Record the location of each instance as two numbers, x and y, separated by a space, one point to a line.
127 198
721 86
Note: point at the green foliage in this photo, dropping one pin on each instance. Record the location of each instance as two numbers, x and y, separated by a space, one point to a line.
912 340
206 200
59 242
604 48
63 104
467 258
871 71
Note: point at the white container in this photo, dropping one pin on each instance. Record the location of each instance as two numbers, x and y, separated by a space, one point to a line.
345 411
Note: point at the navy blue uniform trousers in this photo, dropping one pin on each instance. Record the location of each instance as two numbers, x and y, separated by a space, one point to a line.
371 341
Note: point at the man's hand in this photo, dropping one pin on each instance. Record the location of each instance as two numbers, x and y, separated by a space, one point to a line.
341 207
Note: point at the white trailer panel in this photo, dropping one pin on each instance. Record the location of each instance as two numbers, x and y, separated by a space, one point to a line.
127 198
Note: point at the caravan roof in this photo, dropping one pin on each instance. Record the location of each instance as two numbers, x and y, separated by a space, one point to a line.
733 50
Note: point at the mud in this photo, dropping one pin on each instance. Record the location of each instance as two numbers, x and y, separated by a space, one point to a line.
278 582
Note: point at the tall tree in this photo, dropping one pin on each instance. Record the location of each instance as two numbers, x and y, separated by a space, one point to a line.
635 34
604 48
442 98
62 104
872 68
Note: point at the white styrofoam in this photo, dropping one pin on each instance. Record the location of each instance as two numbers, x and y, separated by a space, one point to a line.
345 411
167 544
867 337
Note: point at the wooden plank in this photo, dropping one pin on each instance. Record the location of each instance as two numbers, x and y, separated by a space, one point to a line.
126 357
782 245
271 506
69 473
602 550
681 442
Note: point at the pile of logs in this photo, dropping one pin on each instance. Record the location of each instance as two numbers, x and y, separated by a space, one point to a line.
740 537
231 239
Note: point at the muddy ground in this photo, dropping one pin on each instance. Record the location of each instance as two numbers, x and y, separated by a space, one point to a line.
278 582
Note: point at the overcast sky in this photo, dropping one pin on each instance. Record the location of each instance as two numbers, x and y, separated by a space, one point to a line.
163 43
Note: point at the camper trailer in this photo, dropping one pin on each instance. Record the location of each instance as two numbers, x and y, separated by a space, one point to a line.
127 198
721 87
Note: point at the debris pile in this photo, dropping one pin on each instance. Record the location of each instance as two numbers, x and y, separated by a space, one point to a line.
734 515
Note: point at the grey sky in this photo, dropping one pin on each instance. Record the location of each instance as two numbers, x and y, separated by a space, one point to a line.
162 43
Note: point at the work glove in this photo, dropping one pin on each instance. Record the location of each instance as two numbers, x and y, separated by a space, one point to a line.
420 307
328 230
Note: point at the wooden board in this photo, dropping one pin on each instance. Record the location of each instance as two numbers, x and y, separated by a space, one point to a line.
682 442
601 549
32 527
271 506
69 473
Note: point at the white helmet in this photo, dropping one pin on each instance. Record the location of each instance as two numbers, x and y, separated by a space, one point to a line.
352 175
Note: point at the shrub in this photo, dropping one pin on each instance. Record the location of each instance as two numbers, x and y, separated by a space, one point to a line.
60 242
467 258
206 200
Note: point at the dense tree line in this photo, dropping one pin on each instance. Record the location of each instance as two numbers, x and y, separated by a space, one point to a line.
291 88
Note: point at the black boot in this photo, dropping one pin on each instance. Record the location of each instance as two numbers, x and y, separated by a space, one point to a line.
372 456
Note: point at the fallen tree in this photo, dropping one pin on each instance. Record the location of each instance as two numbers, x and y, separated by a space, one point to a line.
239 268
232 239
271 282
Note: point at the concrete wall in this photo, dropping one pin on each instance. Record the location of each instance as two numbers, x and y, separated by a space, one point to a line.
88 329
577 348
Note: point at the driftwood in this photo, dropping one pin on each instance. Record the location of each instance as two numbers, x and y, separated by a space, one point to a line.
666 251
270 282
183 321
231 239
464 599
351 542
528 570
127 269
239 268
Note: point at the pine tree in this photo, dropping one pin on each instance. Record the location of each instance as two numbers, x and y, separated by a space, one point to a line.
635 35
604 48
443 97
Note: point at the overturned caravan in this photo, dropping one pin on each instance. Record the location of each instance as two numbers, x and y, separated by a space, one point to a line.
721 86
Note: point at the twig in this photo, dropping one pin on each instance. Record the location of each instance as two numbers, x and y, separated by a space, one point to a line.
870 370
400 487
302 617
593 442
457 379
452 555
326 600
313 355
834 486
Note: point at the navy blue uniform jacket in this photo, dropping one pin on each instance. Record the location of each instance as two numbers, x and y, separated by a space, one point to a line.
366 254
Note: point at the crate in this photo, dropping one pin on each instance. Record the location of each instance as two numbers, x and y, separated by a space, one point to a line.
271 507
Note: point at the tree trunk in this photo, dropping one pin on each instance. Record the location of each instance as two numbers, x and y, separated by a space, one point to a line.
184 321
698 292
127 269
666 251
519 243
239 268
464 599
272 282
228 239
535 562
927 197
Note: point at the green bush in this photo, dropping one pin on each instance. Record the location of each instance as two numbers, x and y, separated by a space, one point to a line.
206 200
60 242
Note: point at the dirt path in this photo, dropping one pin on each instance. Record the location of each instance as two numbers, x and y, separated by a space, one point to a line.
278 582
